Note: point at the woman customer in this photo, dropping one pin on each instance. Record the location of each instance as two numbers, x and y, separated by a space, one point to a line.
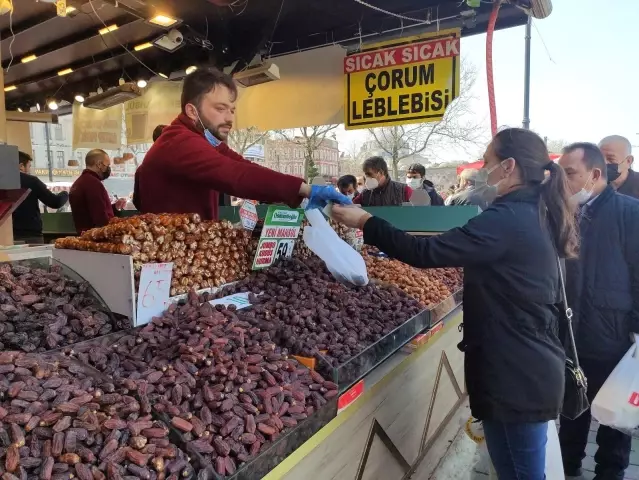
514 363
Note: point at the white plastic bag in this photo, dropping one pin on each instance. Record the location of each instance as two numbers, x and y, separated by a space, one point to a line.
616 405
342 260
554 463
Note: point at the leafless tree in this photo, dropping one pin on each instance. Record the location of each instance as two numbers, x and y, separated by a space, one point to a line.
242 140
311 139
556 146
351 162
458 128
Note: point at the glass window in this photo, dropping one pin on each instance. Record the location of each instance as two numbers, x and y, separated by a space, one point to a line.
60 159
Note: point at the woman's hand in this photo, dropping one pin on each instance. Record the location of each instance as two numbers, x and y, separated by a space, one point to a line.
352 215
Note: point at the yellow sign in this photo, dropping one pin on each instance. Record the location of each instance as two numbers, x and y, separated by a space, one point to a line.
408 80
57 172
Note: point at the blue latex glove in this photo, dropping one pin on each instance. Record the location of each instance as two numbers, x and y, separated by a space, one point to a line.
322 195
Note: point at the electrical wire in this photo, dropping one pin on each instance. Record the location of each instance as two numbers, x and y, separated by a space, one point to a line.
13 36
119 43
534 24
489 66
386 12
277 20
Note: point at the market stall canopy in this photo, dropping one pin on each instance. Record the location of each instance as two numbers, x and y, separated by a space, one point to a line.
480 163
99 42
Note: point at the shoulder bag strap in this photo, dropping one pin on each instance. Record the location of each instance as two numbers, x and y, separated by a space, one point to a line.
567 315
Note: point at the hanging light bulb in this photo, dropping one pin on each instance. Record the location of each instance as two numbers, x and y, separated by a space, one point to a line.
52 104
121 81
38 106
20 110
141 83
79 98
100 90
191 69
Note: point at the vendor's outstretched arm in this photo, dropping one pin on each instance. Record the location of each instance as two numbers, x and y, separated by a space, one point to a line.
482 240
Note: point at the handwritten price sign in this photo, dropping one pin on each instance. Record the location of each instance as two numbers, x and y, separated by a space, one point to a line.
153 294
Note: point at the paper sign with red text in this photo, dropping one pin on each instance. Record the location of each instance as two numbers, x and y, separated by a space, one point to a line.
153 294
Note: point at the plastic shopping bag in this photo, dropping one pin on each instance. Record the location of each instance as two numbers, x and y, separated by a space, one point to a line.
344 262
616 405
554 462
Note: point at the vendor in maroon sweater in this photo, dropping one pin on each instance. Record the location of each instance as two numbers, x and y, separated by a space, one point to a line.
90 203
189 165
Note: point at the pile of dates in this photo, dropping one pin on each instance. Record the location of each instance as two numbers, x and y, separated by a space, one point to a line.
58 423
216 378
305 310
42 310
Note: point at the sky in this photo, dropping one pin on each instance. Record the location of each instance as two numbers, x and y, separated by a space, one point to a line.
584 74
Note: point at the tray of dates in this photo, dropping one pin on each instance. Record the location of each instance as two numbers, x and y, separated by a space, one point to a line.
60 421
227 392
350 330
45 305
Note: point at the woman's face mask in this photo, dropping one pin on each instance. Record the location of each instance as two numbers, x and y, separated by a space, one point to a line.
488 191
414 182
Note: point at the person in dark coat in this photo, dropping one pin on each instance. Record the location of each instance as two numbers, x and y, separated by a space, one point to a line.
190 164
602 288
471 193
380 190
617 151
91 206
27 220
416 178
514 364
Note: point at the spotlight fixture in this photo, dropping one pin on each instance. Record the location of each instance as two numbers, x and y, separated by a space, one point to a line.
163 20
64 72
142 83
79 98
10 88
142 46
28 58
191 69
121 81
171 41
52 104
20 110
108 29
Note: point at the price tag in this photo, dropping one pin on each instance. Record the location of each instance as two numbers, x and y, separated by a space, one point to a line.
284 249
153 294
281 230
634 399
248 215
61 8
350 396
240 300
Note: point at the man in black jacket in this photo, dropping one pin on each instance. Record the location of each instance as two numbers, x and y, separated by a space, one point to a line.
27 222
602 288
618 152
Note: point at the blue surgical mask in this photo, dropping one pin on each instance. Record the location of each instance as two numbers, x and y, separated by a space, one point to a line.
212 139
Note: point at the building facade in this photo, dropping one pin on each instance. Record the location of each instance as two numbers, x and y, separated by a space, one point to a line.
288 157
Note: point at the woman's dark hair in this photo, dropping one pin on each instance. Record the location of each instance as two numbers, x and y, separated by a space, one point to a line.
531 155
345 180
376 164
201 82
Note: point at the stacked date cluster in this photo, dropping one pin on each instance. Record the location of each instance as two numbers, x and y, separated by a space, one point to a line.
56 423
42 310
216 378
204 254
304 309
430 286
